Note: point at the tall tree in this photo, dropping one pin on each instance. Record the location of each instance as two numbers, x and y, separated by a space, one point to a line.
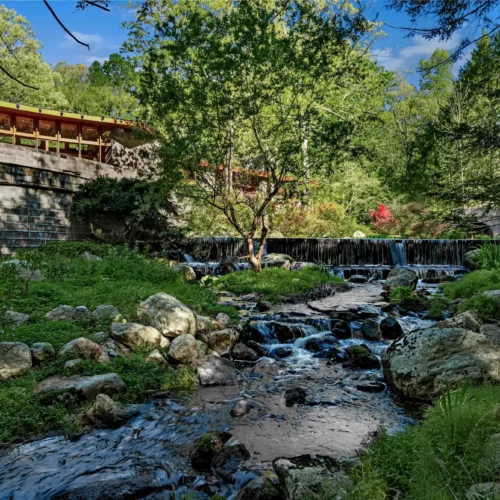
244 86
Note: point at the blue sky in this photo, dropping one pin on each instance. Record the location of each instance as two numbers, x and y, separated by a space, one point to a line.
103 31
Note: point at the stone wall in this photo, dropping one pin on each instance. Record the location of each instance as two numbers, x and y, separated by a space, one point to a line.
36 192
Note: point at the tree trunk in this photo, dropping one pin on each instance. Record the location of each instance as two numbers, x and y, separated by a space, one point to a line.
253 257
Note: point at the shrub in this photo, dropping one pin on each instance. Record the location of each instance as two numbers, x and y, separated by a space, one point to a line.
473 283
382 219
400 293
489 256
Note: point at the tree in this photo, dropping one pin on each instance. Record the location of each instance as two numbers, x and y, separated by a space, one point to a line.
20 58
248 86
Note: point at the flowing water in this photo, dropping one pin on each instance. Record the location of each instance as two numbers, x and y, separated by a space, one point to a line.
148 457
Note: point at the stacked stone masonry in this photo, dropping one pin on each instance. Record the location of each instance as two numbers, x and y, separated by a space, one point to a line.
36 192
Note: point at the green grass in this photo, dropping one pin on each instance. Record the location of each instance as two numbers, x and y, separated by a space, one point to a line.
274 283
489 256
438 459
123 278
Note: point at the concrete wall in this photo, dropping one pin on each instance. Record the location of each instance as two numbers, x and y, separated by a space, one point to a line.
36 192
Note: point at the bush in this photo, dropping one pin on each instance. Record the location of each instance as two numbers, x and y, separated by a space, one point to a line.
401 293
274 283
473 283
489 256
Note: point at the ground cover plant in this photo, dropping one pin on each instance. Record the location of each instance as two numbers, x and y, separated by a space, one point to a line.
122 278
274 283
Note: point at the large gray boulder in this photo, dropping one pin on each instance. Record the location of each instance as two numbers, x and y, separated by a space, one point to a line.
62 313
213 370
107 312
168 315
81 347
135 336
469 320
41 352
260 488
108 413
313 477
84 388
15 359
400 276
184 349
16 318
420 363
277 260
222 341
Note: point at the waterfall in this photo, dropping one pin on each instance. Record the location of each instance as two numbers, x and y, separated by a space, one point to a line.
398 253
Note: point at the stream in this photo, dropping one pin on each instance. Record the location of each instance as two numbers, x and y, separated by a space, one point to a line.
148 457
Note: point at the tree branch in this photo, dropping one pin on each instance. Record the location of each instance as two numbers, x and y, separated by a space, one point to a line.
12 77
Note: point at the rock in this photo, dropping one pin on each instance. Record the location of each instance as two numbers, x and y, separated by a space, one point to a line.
295 396
490 464
17 318
168 315
370 329
62 313
217 371
331 353
84 388
260 488
255 346
228 265
81 347
108 413
469 320
371 387
471 258
205 324
390 328
264 306
229 459
82 312
483 491
342 330
494 294
71 364
241 408
100 337
361 357
114 349
135 336
359 234
435 280
206 447
277 260
103 357
420 363
399 276
249 297
222 341
358 278
202 348
223 319
107 312
317 344
157 358
15 359
313 477
41 352
184 349
241 352
280 352
187 271
89 256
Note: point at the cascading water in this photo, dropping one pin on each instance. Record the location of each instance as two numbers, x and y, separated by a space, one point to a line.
398 253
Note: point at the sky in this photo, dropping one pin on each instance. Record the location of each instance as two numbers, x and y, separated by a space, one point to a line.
105 34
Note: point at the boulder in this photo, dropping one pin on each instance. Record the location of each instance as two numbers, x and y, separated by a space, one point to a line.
217 371
242 407
81 347
206 447
108 413
168 315
62 313
222 341
184 349
469 320
107 312
342 330
295 396
82 312
114 349
41 352
223 319
157 358
16 318
241 352
206 324
277 260
399 276
187 271
84 388
483 491
360 356
420 363
471 258
15 359
202 348
280 352
357 278
229 460
260 488
71 364
370 329
264 306
371 387
494 294
135 336
390 328
313 477
317 344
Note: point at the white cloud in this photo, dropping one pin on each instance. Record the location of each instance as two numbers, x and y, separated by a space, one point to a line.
95 41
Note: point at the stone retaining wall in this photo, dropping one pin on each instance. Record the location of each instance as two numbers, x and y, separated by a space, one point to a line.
36 192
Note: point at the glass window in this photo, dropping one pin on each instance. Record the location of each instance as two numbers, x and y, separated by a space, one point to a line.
4 121
24 125
47 128
69 131
90 133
